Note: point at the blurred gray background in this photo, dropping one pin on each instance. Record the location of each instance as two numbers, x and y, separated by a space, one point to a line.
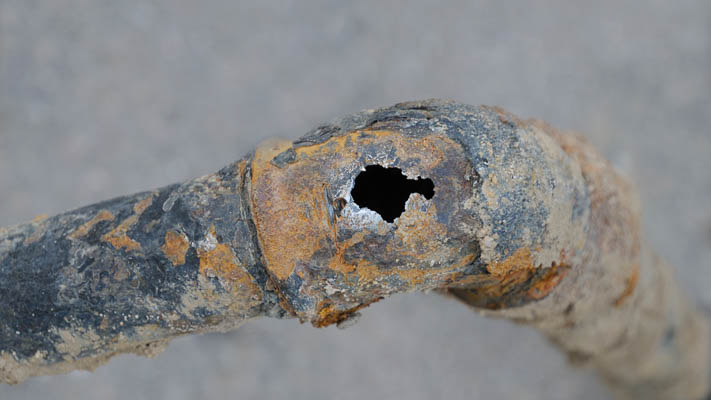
100 98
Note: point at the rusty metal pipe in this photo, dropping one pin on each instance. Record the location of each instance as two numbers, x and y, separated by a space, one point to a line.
508 216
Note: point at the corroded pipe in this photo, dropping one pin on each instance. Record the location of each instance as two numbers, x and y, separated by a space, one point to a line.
508 216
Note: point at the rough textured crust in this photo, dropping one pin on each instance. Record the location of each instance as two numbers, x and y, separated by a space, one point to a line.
620 311
128 275
525 223
505 222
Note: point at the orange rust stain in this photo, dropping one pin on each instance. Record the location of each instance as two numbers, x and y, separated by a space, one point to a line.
118 236
629 289
83 230
175 248
503 285
418 276
328 314
292 219
220 261
123 242
266 152
461 280
344 146
337 262
368 272
40 218
549 281
519 260
142 205
417 241
286 232
495 292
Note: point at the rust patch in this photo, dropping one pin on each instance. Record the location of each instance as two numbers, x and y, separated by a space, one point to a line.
83 230
329 313
142 205
549 281
517 287
40 218
508 277
123 241
175 248
519 260
495 292
285 208
629 289
118 236
368 273
301 225
308 226
218 259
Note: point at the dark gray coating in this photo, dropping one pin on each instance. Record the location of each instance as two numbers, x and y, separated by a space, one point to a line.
51 282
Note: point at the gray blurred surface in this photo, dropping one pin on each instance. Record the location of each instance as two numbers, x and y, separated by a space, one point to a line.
100 98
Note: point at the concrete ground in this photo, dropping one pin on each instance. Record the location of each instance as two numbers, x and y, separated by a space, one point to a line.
100 98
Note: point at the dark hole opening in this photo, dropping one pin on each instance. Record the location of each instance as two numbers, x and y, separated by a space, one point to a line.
386 190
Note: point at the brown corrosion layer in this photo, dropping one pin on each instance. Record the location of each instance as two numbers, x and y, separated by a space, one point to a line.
305 199
297 212
542 286
218 259
118 236
519 260
84 229
176 247
330 314
512 282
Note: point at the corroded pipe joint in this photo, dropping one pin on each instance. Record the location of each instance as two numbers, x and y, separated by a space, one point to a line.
508 216
509 204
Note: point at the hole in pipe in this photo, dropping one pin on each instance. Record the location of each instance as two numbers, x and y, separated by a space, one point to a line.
386 190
